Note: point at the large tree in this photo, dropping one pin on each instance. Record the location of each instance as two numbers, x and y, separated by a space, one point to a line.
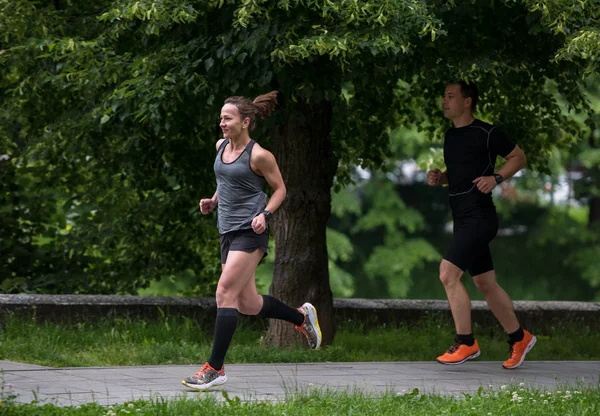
116 102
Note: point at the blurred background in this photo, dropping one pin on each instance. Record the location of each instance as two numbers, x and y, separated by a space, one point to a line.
108 125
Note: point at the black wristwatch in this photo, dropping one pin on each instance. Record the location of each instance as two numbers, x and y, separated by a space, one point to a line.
268 215
499 178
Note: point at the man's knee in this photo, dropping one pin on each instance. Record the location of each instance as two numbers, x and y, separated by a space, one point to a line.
485 282
449 273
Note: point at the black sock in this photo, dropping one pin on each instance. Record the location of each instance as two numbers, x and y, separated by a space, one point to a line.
275 309
224 330
516 336
466 339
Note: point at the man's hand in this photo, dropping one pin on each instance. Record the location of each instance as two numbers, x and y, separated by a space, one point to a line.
207 205
434 177
485 184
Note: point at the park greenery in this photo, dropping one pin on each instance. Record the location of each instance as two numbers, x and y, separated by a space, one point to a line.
181 340
108 125
488 400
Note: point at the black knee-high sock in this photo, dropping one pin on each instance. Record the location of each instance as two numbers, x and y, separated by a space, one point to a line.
275 309
224 330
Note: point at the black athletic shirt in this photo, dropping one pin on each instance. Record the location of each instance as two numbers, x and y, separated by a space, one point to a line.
470 152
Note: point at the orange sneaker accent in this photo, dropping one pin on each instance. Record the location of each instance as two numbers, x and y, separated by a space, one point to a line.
459 353
519 350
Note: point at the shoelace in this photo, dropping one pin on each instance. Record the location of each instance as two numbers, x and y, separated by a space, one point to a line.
203 370
453 348
511 350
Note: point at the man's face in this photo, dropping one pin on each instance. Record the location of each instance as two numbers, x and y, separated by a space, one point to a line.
454 103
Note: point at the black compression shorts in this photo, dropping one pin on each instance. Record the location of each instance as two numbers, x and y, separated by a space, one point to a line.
470 250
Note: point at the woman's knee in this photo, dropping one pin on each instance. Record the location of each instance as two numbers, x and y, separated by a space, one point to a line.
249 302
249 306
225 294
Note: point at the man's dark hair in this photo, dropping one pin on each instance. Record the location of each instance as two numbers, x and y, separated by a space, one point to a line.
469 91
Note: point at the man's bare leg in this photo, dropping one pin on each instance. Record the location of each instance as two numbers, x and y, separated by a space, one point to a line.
498 300
465 347
458 298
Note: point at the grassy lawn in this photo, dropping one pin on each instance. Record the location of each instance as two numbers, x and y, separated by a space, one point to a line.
119 342
513 400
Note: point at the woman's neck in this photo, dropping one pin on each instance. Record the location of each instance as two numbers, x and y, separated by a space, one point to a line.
240 141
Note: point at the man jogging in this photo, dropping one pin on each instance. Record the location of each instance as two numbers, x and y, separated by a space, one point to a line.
470 151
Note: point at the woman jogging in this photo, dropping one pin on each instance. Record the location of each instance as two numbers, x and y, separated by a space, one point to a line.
242 167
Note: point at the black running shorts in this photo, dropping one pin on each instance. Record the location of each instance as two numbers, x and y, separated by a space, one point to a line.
470 250
243 240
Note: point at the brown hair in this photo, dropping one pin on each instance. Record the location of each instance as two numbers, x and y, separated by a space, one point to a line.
262 106
469 90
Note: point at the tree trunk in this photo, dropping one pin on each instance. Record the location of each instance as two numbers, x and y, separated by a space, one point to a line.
303 150
594 214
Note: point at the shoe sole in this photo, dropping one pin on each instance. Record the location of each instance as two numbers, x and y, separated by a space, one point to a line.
529 347
470 357
312 314
219 381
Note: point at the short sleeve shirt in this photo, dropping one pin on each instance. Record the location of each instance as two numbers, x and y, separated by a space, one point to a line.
470 152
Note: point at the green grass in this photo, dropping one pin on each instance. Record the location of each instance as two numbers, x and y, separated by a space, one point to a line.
510 401
120 342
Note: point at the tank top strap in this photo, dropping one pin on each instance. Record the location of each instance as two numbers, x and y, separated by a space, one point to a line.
249 147
222 147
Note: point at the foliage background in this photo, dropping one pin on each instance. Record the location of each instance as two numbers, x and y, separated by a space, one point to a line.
107 130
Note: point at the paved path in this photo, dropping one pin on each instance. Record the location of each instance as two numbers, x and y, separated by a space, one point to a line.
111 385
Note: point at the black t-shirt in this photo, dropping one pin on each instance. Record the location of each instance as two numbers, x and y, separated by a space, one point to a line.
470 152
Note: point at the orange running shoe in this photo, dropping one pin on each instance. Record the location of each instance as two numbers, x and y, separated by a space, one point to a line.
459 353
519 350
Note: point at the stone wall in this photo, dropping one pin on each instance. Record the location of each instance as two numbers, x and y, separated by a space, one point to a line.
535 315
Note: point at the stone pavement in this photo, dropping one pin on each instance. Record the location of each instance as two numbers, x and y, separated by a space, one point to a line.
112 385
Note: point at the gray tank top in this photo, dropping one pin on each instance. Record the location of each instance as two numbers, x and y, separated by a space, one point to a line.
240 191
